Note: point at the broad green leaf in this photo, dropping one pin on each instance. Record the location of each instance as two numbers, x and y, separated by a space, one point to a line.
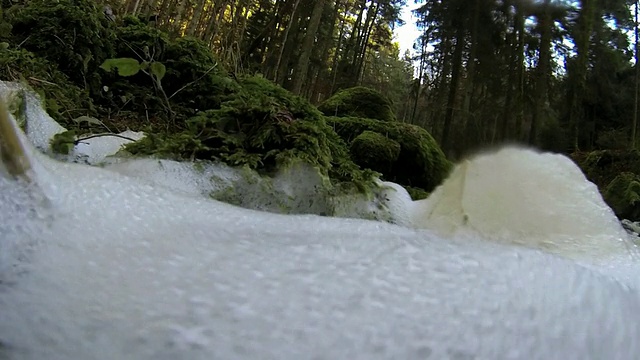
158 70
125 66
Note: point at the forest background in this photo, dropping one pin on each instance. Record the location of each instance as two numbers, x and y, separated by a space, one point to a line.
559 75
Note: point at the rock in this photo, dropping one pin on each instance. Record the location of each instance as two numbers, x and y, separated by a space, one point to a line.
359 102
375 151
420 163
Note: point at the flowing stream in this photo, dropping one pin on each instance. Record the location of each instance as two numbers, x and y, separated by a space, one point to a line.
514 257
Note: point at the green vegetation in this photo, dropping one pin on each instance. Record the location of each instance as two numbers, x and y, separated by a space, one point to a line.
420 162
615 174
623 195
375 151
416 193
72 35
358 102
62 99
262 126
132 74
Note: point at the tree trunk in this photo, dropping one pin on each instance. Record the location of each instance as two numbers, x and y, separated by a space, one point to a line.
285 37
634 124
336 57
326 43
471 71
453 88
583 36
368 28
302 67
545 23
178 18
195 19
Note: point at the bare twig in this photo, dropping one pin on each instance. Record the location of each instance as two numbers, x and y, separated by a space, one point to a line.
102 135
23 41
42 81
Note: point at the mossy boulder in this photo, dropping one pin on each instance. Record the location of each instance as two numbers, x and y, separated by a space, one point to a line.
264 127
74 35
375 151
623 196
615 172
420 163
358 102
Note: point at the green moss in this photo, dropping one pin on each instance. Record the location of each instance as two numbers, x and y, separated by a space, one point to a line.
63 143
263 127
416 193
63 100
193 80
74 35
358 102
421 163
623 195
602 166
374 151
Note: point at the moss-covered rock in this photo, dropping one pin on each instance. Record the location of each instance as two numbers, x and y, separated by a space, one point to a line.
421 163
264 127
358 102
615 172
74 35
375 151
623 195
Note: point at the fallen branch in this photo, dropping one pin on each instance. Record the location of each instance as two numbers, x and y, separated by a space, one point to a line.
77 141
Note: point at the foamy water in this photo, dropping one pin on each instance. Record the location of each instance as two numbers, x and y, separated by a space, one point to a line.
100 265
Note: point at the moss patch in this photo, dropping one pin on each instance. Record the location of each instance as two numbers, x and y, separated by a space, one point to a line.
358 102
420 163
602 166
264 127
623 195
63 100
615 172
74 35
375 151
416 193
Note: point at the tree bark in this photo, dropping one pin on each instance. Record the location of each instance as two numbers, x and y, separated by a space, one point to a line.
583 36
634 123
545 23
285 37
453 88
302 68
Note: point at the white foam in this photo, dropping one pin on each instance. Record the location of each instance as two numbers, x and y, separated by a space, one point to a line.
520 196
117 267
96 149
